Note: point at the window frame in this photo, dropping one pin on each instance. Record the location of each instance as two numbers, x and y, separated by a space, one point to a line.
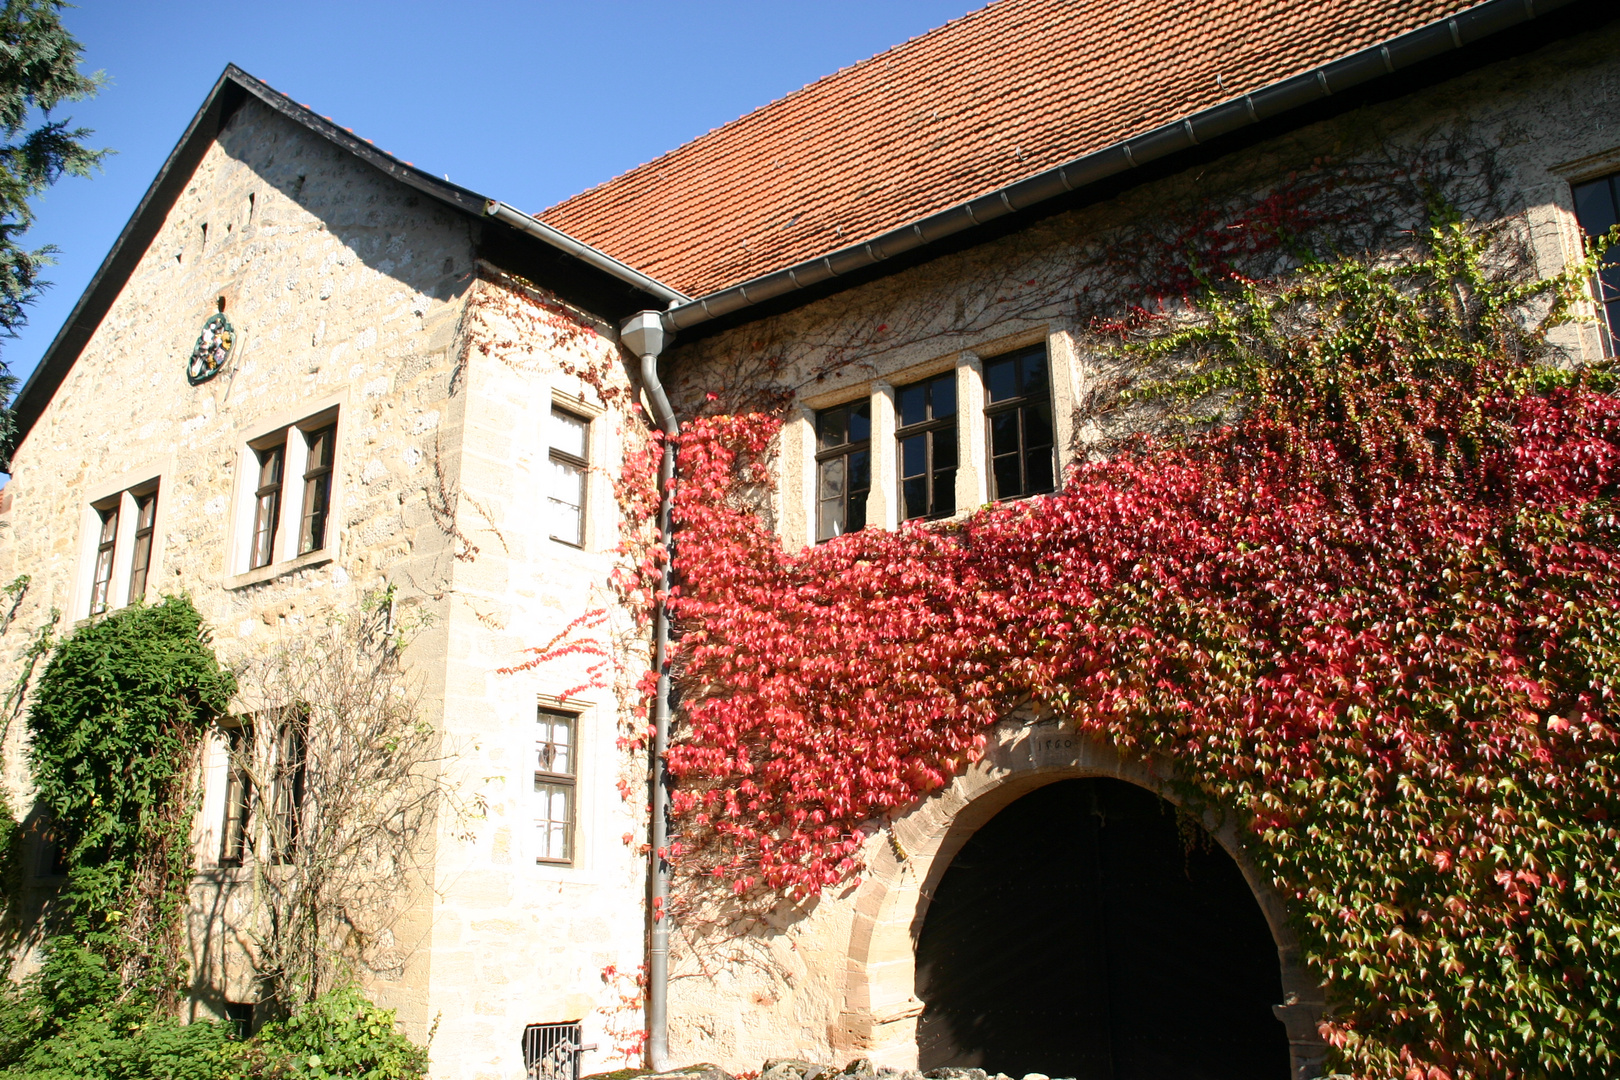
236 823
566 782
99 588
256 553
289 781
316 504
842 451
556 456
929 430
1605 294
1018 403
267 501
105 566
145 536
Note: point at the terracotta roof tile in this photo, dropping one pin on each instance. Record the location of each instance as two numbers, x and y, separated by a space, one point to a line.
1012 89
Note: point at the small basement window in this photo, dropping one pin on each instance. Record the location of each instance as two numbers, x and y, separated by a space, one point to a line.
553 1051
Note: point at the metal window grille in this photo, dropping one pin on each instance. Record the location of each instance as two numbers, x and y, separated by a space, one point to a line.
552 1051
239 1015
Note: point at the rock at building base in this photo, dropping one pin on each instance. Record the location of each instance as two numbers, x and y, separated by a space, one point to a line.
704 1071
793 1069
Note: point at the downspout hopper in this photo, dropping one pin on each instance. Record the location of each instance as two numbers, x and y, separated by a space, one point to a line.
644 335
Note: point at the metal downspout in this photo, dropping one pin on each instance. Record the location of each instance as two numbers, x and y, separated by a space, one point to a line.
644 334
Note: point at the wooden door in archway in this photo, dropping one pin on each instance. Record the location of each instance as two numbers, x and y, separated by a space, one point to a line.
1086 931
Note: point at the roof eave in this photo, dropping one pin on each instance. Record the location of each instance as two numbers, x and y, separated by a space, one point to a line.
1404 52
229 92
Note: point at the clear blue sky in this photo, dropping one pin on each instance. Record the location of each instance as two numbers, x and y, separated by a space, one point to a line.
528 102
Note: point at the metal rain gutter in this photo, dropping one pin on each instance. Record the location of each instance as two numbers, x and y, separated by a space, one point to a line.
516 218
1406 51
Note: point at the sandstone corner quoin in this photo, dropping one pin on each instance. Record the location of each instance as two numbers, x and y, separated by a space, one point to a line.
309 376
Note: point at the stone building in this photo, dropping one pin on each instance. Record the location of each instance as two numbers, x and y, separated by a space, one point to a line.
895 257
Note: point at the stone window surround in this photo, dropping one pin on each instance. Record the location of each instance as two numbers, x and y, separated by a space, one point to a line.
585 790
1557 216
1556 240
598 484
142 480
249 438
798 458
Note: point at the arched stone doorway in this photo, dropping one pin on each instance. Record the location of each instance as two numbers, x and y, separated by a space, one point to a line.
881 1011
1085 931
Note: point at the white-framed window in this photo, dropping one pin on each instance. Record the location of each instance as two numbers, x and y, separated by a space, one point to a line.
119 546
556 784
570 472
287 493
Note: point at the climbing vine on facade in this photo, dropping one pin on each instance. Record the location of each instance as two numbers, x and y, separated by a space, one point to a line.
1360 588
114 728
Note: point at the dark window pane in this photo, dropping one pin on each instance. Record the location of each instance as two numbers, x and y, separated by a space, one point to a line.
1006 474
1034 382
914 455
860 421
944 395
320 450
913 404
1004 433
860 472
1610 276
916 497
270 466
855 513
1594 207
944 492
945 448
830 426
1038 471
1001 379
1038 426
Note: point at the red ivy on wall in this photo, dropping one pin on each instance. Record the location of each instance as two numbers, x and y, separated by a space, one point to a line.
1377 618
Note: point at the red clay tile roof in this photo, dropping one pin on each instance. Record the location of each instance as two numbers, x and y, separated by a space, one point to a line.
1007 91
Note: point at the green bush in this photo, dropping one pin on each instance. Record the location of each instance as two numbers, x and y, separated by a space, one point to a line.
338 1035
65 1022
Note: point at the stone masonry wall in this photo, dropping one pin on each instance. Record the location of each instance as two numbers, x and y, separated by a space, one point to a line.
516 941
819 981
348 290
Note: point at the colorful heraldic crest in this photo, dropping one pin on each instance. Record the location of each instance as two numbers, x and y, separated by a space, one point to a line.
213 347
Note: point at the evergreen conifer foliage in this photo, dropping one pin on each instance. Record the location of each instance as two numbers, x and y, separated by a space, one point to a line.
116 722
39 70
